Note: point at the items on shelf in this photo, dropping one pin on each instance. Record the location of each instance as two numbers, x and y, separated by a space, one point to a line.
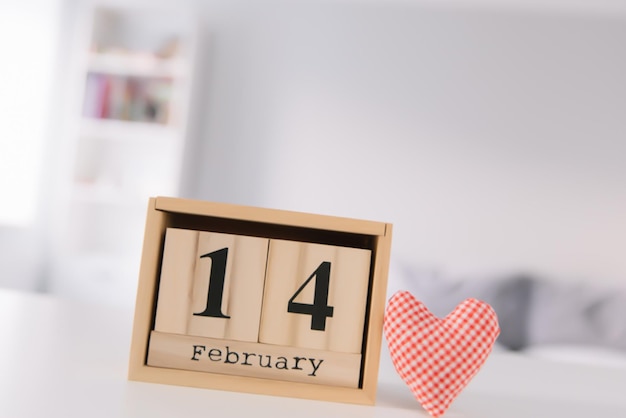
127 98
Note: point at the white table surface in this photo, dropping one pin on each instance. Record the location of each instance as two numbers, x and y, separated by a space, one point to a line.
64 359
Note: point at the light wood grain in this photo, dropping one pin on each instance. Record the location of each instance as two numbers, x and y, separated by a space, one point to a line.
254 360
377 302
271 216
176 283
289 265
185 278
169 212
146 288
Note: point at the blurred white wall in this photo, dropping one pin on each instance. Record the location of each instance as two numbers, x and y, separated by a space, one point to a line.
28 52
491 136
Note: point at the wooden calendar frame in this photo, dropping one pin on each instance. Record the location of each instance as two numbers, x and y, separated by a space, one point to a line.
164 212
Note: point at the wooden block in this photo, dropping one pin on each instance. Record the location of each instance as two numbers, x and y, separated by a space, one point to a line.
315 296
254 360
211 284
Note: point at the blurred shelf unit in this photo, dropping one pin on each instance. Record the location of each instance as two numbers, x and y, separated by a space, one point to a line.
128 98
130 135
126 131
137 78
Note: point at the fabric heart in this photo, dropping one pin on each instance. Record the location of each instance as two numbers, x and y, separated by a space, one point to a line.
437 357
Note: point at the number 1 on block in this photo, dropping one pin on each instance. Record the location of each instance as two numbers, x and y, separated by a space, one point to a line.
211 285
315 296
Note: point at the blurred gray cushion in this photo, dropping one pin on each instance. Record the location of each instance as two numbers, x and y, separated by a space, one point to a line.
531 311
582 314
508 296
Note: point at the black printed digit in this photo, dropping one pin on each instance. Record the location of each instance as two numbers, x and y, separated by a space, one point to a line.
319 309
217 277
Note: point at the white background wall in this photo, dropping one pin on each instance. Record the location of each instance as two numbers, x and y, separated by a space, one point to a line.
28 52
493 138
491 135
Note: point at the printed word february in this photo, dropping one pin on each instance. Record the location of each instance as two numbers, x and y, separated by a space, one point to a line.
226 356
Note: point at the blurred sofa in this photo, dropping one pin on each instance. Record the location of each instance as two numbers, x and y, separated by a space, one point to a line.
581 322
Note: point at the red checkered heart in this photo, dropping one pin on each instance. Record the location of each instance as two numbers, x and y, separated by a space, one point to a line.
436 357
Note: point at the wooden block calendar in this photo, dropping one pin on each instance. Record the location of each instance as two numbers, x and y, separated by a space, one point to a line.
260 300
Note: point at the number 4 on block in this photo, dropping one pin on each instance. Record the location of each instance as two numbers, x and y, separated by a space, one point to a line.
315 296
211 285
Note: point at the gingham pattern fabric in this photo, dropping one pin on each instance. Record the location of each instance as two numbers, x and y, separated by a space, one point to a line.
436 357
